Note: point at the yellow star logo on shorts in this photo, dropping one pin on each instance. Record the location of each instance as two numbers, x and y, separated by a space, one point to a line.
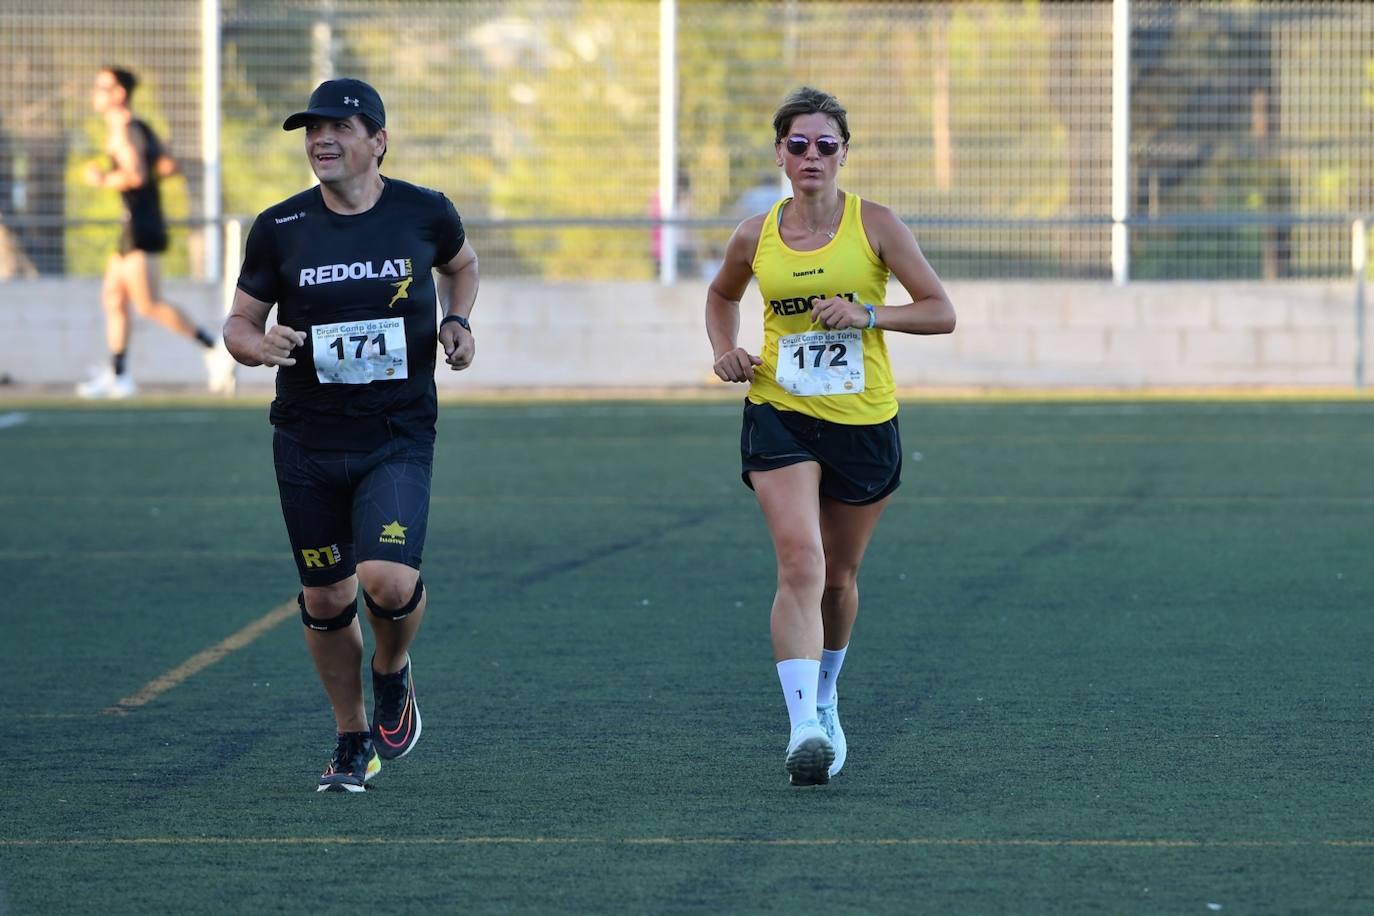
393 533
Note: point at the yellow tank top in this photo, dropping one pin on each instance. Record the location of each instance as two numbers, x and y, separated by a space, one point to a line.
790 281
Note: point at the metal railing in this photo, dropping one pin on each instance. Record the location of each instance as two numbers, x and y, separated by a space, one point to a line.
233 231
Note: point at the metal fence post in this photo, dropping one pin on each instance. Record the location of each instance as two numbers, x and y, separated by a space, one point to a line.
232 236
667 142
1121 141
1359 257
211 200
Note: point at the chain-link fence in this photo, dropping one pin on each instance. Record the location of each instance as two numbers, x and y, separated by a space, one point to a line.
50 221
987 125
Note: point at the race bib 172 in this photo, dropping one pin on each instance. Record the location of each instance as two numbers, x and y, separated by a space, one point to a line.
821 362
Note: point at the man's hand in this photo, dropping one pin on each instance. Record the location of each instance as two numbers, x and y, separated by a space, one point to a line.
459 347
277 344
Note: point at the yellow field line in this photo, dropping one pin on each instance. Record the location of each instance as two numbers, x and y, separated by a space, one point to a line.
255 398
927 443
1050 843
650 502
161 499
201 660
158 553
1108 499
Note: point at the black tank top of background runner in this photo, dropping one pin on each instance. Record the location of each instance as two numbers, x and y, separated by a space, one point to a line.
143 204
322 267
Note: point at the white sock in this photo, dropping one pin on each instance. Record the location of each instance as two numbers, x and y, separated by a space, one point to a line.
798 677
832 660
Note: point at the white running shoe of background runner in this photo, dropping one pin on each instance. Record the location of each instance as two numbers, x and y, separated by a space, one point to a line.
105 385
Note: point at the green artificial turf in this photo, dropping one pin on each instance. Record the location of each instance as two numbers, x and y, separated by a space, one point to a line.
1111 657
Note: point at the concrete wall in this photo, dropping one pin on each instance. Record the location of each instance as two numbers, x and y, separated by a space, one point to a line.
1040 334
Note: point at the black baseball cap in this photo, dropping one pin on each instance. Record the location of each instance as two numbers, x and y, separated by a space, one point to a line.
340 99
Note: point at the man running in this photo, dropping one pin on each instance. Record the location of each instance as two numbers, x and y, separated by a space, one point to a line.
351 265
136 162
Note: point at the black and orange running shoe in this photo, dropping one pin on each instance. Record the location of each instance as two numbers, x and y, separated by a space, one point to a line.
355 761
395 717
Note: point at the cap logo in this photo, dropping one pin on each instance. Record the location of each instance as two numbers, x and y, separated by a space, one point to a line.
349 101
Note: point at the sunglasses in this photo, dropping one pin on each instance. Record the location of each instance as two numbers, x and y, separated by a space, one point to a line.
797 145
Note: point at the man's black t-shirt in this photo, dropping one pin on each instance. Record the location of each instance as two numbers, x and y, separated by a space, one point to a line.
361 289
143 204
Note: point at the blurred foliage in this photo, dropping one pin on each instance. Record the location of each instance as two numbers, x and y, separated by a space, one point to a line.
533 110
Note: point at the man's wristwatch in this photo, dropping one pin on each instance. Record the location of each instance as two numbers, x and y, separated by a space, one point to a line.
463 322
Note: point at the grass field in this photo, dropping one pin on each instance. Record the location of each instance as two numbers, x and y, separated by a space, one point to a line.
1112 657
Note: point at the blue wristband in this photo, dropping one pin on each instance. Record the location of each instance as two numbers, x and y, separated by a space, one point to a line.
872 316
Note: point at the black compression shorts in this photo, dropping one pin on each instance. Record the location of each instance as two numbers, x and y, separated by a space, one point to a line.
343 507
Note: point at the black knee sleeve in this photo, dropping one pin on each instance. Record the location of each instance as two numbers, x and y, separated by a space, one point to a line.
387 613
332 623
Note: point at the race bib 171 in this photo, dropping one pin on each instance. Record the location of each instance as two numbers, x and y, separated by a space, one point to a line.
358 352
